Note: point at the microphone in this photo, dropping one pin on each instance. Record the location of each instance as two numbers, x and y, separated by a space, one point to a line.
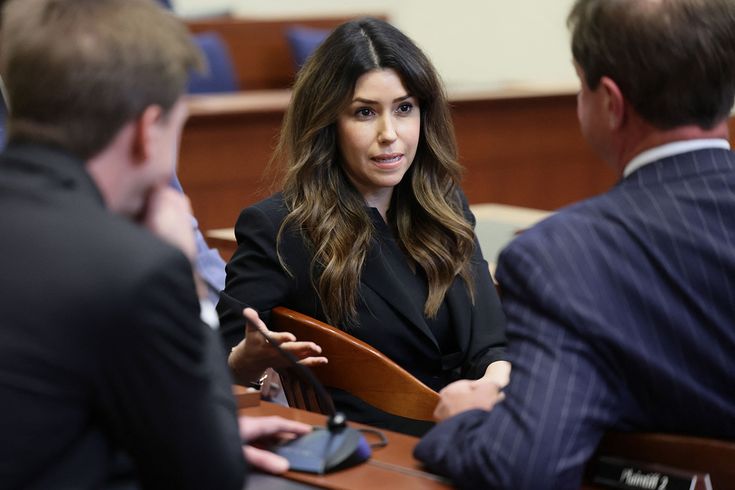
326 449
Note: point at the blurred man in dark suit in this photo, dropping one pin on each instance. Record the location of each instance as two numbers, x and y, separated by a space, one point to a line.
621 308
107 376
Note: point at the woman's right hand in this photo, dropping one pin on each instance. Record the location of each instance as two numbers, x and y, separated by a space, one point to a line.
254 354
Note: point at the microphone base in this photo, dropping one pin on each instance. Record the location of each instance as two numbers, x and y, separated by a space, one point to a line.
323 450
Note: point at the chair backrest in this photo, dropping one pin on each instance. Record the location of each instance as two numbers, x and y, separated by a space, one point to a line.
354 367
688 454
220 72
261 54
166 4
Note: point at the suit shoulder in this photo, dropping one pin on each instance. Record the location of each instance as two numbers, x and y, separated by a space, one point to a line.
116 266
273 206
148 278
125 251
272 210
578 234
564 222
139 241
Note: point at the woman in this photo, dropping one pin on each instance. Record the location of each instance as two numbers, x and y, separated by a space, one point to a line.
371 231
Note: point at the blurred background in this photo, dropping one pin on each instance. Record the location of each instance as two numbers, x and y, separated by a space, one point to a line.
473 43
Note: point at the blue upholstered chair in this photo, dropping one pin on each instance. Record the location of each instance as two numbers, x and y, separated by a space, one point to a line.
303 42
220 75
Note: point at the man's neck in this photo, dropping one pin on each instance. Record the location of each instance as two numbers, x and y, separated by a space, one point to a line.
644 137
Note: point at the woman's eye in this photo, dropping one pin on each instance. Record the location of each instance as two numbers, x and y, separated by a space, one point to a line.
405 108
364 112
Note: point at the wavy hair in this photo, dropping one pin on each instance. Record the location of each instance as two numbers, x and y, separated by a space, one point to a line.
426 209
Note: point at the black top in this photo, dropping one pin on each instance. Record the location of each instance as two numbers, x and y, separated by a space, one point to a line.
413 281
389 308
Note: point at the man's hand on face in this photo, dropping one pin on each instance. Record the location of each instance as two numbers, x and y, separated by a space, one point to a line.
168 215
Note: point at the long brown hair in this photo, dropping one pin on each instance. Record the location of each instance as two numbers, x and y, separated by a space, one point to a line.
426 209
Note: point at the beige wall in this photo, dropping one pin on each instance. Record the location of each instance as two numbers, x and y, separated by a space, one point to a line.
473 43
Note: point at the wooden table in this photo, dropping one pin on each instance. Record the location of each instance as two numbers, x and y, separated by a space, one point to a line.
223 239
226 145
520 146
390 467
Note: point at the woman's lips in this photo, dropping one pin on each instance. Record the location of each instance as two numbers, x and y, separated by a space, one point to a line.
387 159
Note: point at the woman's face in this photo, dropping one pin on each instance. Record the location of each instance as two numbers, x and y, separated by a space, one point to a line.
378 134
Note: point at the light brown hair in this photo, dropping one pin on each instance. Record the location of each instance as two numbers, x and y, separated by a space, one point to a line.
76 71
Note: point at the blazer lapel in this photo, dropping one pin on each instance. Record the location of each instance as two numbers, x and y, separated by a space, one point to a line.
460 313
382 273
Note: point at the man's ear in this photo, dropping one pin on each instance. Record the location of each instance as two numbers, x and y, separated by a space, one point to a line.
145 133
614 103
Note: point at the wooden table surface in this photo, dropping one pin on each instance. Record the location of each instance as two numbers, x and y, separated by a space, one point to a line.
392 466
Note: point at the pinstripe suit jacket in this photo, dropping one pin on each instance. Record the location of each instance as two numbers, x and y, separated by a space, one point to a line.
621 315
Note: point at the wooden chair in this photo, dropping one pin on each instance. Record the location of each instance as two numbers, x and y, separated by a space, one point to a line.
693 455
354 367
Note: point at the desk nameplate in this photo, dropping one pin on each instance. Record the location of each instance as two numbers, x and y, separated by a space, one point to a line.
632 475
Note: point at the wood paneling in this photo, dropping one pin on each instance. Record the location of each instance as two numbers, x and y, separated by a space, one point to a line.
225 148
522 150
526 151
259 49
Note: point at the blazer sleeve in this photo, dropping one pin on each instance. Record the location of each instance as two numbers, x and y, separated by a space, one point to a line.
166 387
487 324
255 276
557 402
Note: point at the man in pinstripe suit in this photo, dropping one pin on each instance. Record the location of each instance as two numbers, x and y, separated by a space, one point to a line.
621 308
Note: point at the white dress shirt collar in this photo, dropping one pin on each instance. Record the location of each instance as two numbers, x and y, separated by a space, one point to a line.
671 149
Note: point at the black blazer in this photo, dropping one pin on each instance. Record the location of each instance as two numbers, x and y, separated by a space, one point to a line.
102 356
389 321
